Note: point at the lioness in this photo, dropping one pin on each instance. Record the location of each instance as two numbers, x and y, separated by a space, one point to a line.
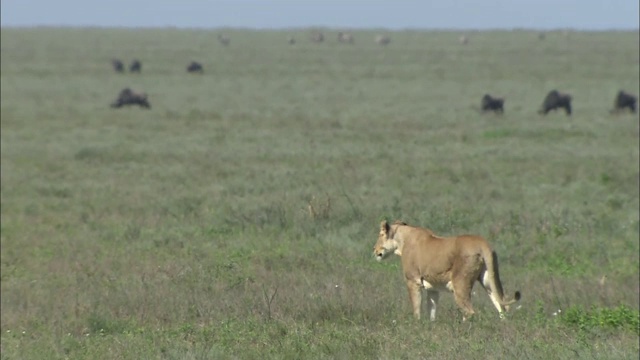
437 263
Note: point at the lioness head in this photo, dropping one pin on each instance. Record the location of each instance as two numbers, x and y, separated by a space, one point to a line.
386 244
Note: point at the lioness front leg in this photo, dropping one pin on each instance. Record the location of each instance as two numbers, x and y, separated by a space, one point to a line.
432 303
415 296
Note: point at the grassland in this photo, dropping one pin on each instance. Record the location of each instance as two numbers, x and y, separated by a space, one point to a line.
184 231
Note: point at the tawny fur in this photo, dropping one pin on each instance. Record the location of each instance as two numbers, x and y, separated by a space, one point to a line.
439 263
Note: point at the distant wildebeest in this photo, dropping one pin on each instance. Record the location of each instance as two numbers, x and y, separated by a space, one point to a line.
291 40
624 100
224 40
118 65
130 97
463 40
345 38
317 37
555 100
541 36
136 66
383 40
195 67
490 103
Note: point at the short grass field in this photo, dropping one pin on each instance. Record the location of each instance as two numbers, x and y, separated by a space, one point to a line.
236 218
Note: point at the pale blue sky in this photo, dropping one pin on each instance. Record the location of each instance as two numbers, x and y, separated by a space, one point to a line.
425 14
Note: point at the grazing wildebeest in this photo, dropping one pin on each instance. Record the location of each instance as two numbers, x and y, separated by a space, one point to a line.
136 66
383 40
224 40
317 37
345 38
291 40
130 97
555 100
464 40
118 65
490 103
541 36
624 100
195 67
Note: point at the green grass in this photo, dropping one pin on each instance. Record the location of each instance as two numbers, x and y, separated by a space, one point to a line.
184 231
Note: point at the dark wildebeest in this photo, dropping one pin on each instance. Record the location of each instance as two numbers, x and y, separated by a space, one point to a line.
130 97
490 103
345 38
555 100
118 66
136 66
224 40
195 67
317 37
291 40
624 100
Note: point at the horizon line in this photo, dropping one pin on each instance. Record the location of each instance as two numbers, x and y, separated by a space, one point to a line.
317 27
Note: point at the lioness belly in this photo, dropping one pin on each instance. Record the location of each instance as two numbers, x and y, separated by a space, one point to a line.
436 285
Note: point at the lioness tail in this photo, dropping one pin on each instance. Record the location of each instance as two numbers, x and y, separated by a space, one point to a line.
491 261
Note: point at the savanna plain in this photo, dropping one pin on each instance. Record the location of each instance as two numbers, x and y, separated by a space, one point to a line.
236 218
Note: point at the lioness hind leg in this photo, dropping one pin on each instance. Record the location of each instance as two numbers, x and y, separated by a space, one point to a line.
415 295
462 296
432 303
493 294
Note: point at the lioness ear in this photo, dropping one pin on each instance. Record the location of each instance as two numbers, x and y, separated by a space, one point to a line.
384 227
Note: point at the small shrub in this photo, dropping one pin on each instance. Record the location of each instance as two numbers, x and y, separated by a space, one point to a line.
618 317
98 324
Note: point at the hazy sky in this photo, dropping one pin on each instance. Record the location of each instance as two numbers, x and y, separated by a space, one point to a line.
425 14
